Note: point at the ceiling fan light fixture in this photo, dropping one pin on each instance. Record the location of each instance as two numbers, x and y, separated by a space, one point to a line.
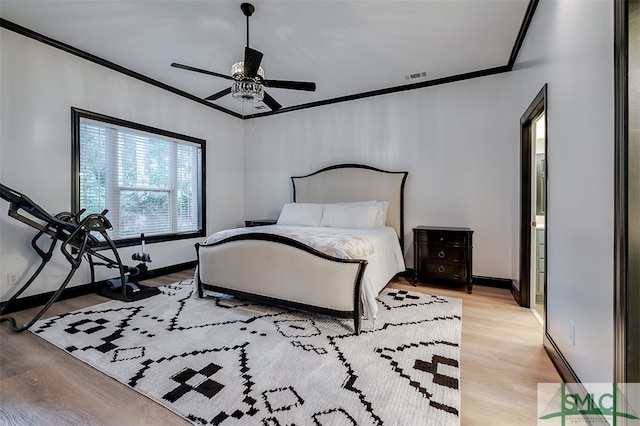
246 89
238 71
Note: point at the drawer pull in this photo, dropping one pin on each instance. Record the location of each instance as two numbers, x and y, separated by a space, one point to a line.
441 254
441 268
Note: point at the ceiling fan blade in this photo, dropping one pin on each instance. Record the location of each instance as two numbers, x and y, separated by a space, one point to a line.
218 95
189 68
270 102
252 60
294 85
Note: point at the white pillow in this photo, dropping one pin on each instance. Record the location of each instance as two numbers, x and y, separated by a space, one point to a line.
383 207
349 216
307 214
381 219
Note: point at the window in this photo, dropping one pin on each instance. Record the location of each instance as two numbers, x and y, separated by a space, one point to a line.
151 181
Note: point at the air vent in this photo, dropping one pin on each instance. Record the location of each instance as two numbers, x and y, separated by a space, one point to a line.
416 75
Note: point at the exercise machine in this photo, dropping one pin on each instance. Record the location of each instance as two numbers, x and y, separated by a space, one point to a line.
79 237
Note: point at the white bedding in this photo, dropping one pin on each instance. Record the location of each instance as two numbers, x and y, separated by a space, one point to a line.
379 246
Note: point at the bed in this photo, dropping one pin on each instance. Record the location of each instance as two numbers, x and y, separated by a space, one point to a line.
323 255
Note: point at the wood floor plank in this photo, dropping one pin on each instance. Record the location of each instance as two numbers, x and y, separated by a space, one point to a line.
502 360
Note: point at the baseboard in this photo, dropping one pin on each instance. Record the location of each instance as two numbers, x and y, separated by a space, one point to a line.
492 282
166 270
29 302
559 361
570 378
477 280
408 274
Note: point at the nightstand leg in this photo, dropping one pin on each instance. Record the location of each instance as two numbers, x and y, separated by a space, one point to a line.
469 288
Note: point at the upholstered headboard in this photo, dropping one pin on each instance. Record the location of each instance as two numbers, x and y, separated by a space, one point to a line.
355 182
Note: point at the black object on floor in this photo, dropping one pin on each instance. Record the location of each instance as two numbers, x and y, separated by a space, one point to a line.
130 296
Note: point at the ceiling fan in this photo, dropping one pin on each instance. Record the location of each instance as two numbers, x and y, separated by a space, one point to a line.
248 76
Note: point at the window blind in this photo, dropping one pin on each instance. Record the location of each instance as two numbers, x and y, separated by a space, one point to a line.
150 183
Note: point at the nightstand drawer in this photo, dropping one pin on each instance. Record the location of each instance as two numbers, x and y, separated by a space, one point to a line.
441 271
445 254
443 237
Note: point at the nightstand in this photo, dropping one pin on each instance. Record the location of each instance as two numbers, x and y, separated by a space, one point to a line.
443 255
259 222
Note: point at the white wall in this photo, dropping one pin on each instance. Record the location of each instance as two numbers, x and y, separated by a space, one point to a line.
38 86
570 46
456 141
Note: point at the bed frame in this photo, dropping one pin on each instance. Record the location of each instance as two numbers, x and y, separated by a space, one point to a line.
277 270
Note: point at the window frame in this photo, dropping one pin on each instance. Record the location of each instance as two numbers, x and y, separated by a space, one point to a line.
77 114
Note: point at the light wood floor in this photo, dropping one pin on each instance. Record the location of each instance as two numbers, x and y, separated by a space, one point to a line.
502 361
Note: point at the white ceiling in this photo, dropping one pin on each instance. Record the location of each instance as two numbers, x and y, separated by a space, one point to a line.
345 46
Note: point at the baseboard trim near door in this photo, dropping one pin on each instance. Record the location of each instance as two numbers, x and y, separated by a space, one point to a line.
492 282
477 280
29 302
559 361
515 292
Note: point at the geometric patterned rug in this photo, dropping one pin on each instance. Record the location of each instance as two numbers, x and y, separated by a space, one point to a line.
225 361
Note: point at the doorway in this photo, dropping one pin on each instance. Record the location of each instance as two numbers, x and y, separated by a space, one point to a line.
533 206
538 215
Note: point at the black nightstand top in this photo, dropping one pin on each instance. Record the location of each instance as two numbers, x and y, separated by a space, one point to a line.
443 228
259 222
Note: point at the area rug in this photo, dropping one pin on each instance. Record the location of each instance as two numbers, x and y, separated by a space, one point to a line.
225 361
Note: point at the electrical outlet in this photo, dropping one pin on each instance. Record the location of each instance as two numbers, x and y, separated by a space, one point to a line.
12 278
572 333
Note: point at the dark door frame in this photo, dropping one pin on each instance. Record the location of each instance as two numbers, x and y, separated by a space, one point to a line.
627 200
522 295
